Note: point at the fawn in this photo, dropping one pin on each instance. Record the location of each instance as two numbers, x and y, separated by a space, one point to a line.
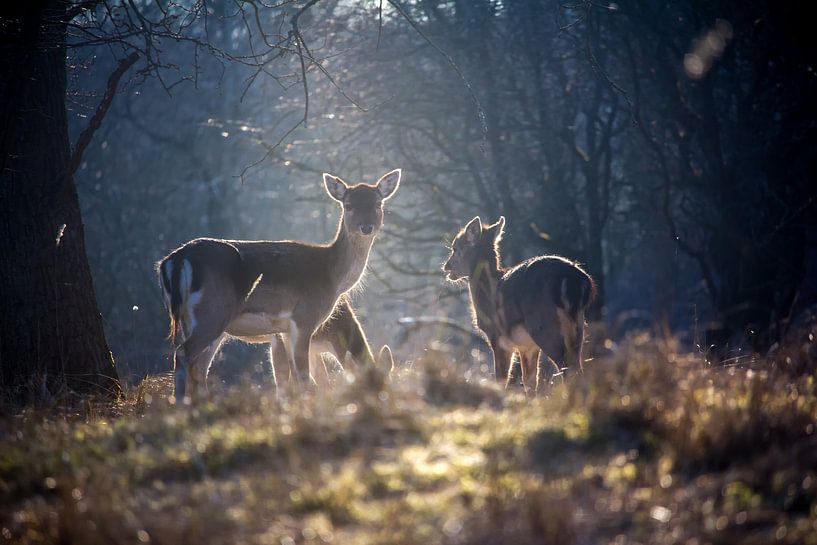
254 289
341 335
535 308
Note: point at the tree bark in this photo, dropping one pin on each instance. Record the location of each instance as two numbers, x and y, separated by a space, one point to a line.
51 335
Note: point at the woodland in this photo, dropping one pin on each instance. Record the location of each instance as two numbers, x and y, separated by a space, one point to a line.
667 147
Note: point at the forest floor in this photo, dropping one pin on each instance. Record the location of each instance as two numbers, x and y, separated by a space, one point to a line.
648 445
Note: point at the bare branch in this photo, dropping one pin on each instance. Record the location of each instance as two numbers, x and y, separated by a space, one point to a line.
480 112
77 9
96 120
301 45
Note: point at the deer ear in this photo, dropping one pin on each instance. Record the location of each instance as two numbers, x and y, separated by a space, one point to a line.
473 230
389 183
335 186
498 229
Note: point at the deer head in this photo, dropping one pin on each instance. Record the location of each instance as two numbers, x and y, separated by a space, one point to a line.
362 203
474 244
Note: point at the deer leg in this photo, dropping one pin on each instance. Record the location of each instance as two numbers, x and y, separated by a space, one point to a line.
193 360
527 363
202 327
502 361
523 368
574 342
300 339
572 330
543 362
279 359
551 343
541 372
199 372
515 371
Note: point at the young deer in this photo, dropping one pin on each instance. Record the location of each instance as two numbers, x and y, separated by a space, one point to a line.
340 335
535 308
253 289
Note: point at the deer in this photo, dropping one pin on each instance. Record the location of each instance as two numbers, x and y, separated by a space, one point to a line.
341 335
535 309
252 290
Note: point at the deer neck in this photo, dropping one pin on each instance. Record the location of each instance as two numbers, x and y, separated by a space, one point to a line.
349 257
483 283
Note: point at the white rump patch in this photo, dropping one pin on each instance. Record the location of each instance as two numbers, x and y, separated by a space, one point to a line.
193 300
189 300
185 279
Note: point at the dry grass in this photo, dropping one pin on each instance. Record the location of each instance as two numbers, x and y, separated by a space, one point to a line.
650 445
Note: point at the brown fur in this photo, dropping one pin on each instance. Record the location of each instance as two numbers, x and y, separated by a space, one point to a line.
252 290
535 308
341 334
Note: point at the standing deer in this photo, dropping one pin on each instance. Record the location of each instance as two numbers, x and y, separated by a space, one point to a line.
341 335
535 308
254 289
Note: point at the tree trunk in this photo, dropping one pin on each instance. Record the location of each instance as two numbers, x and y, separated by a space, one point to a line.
51 335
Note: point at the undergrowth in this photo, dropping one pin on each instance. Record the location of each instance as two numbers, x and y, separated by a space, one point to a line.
648 445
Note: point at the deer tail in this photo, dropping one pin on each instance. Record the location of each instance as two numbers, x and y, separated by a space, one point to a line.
577 292
176 280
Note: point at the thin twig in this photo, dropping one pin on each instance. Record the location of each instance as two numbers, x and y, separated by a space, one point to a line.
270 150
77 9
455 66
102 109
380 23
299 42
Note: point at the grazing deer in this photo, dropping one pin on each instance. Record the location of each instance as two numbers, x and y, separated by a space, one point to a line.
341 335
535 307
254 289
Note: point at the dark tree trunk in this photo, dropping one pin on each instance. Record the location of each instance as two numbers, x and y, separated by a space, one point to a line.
51 335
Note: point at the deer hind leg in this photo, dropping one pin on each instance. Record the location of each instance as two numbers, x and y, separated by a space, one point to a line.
515 371
199 369
550 341
502 362
193 360
543 364
578 341
203 331
572 330
530 376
